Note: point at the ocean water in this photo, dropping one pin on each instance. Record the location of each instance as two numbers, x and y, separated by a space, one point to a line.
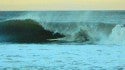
62 40
88 27
61 57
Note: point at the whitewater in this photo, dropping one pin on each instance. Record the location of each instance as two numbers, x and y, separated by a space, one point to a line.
72 40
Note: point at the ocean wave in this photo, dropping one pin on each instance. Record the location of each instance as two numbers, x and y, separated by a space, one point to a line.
63 27
82 32
31 31
25 31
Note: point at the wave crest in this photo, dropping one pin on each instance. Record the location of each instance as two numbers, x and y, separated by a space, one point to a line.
25 31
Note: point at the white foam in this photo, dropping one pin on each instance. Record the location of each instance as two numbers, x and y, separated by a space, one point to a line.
118 35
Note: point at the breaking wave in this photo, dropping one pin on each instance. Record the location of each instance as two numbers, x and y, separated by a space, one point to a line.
25 31
71 30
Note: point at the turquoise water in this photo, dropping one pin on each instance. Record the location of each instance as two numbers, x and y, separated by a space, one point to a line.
61 57
69 16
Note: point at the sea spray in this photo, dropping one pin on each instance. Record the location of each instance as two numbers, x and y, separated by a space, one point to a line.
118 35
95 27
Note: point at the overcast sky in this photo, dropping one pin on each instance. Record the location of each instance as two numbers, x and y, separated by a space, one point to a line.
62 4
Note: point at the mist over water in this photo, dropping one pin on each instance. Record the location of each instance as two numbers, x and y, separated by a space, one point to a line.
87 27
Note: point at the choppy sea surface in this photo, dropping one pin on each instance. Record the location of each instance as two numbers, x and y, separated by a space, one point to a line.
61 57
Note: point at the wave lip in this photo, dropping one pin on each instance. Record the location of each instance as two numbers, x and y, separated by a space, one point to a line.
25 31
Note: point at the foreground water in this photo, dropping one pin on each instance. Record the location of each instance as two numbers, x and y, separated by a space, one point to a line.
61 57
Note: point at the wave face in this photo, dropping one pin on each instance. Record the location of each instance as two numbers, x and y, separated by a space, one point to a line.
87 27
25 31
